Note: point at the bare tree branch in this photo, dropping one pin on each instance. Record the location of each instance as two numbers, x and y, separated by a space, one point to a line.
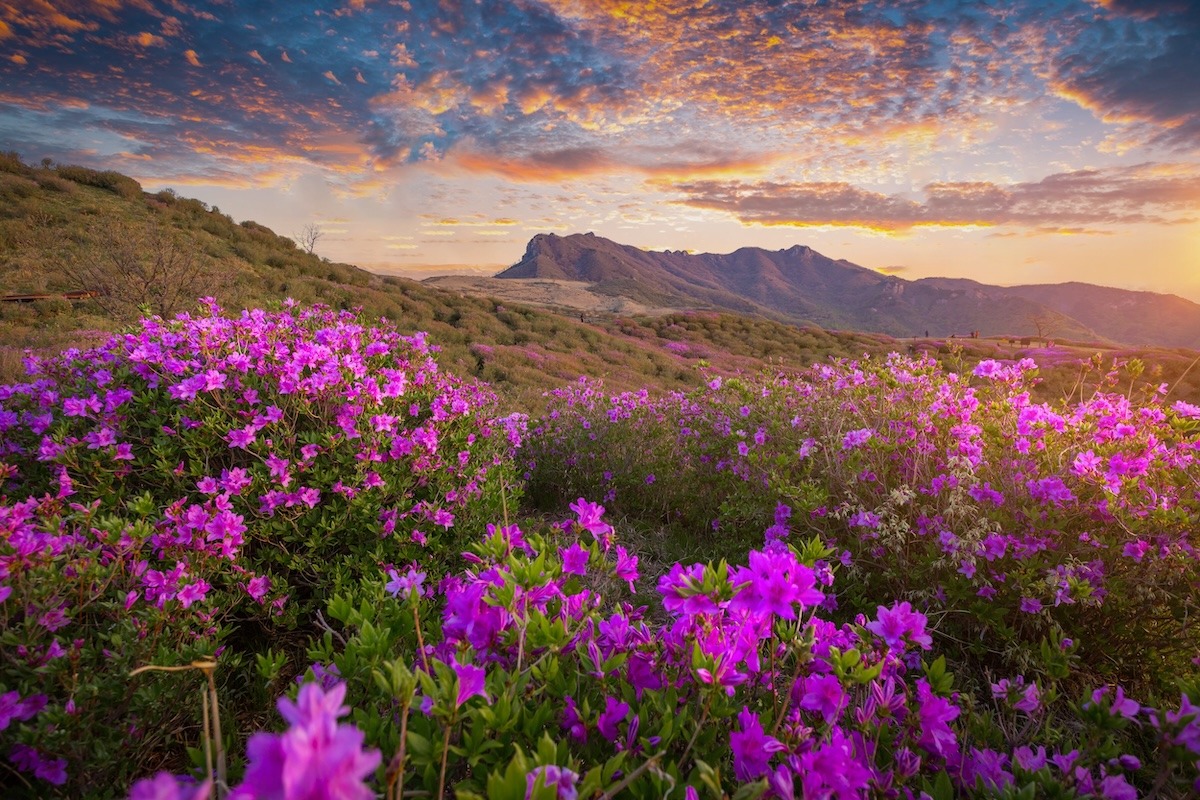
138 268
308 237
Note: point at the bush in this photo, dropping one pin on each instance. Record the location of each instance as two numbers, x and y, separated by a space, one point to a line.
1007 521
115 182
10 161
52 183
518 679
197 490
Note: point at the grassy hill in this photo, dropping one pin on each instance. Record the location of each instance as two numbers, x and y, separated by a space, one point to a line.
65 228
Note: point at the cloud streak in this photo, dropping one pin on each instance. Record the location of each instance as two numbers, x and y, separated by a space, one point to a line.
1061 203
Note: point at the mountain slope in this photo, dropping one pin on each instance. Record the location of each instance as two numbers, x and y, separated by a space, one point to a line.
801 285
1125 316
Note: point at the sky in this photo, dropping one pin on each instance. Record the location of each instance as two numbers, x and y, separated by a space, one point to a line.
1008 142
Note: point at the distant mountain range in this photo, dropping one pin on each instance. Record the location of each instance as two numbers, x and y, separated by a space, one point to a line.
801 285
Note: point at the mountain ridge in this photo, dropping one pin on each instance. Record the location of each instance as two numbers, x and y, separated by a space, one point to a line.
800 285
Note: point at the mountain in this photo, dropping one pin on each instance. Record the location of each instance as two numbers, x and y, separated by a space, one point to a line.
801 285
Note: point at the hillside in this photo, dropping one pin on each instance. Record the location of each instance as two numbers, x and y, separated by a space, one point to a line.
56 223
801 285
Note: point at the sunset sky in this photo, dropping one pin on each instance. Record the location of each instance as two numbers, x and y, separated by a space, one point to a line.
1008 142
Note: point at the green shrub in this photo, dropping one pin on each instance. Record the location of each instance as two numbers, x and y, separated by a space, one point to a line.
115 182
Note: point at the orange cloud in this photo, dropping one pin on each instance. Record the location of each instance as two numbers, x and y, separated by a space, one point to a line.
145 39
192 58
555 166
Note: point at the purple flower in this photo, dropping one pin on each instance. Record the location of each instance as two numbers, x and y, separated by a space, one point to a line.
27 759
574 559
614 712
589 518
857 438
13 708
561 779
752 748
165 786
1185 409
935 714
626 567
1017 694
315 759
241 437
825 695
682 591
895 623
1028 760
1115 787
408 584
258 587
774 582
1121 705
193 592
572 722
470 682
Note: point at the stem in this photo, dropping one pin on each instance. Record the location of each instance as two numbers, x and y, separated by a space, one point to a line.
1179 380
395 770
441 793
774 682
222 785
631 777
208 756
696 733
420 638
787 701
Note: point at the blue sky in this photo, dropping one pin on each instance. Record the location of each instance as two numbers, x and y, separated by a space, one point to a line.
1007 142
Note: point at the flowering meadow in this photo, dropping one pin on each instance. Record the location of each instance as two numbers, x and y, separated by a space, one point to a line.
353 575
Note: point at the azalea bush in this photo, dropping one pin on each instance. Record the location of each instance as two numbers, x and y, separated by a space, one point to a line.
1004 520
196 489
515 678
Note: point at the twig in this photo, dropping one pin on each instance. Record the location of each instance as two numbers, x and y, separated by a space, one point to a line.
323 625
1179 380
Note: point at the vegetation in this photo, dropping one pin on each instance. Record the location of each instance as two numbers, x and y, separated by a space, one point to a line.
57 227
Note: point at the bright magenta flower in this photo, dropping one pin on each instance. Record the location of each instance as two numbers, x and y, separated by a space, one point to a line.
752 747
470 681
900 621
315 759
